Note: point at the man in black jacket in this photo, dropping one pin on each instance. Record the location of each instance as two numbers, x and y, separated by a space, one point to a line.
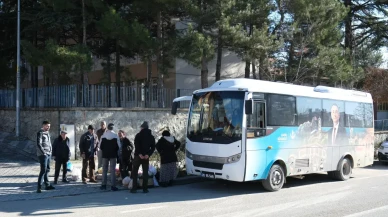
88 149
110 146
126 155
144 148
61 154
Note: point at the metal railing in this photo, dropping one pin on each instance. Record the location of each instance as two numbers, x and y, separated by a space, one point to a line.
97 96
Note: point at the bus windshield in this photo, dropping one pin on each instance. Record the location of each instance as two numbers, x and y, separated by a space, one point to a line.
216 117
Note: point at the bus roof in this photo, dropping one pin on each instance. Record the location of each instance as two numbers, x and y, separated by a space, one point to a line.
252 85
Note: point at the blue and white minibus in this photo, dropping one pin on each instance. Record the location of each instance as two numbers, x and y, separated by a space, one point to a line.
246 130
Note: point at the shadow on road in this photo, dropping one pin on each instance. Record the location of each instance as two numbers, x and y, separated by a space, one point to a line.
185 193
211 189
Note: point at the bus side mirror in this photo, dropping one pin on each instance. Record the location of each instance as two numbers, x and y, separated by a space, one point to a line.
174 108
249 107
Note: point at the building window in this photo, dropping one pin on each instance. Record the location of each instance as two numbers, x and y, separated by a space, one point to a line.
383 106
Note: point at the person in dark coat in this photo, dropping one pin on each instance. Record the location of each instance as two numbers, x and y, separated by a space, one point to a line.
167 147
126 155
110 147
61 154
144 148
88 149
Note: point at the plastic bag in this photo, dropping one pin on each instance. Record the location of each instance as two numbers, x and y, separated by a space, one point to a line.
151 171
130 184
76 174
69 166
126 181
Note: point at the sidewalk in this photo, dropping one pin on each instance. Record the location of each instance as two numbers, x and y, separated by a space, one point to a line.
18 179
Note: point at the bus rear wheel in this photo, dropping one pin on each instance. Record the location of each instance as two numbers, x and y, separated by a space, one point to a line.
344 172
275 179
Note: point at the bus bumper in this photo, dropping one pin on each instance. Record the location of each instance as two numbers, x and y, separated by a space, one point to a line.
232 171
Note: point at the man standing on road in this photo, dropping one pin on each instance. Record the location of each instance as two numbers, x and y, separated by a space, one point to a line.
100 132
88 149
110 146
126 155
144 148
44 150
61 154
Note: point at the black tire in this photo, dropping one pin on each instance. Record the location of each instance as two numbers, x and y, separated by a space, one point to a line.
275 179
345 170
331 174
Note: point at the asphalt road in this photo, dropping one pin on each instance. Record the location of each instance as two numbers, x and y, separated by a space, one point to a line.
365 194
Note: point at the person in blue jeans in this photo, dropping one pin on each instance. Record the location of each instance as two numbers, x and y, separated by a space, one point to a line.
44 150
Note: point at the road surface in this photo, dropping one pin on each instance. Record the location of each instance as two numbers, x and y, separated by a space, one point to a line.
365 194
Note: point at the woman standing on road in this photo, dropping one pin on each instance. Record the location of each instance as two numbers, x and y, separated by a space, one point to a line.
167 146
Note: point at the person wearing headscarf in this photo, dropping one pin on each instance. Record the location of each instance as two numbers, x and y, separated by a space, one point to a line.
167 147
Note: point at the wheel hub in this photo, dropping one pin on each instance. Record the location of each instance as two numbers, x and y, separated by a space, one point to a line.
276 177
346 169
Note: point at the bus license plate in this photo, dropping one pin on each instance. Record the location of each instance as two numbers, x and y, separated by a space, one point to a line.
208 175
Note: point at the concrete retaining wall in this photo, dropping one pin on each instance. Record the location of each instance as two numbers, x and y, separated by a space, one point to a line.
128 120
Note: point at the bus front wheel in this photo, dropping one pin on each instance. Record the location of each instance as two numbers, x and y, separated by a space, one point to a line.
275 179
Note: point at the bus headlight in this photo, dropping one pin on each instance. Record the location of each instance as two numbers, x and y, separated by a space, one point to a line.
189 155
233 159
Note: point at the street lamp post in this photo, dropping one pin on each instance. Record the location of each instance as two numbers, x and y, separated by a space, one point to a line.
18 75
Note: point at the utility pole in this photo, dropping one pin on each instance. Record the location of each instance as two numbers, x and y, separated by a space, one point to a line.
18 75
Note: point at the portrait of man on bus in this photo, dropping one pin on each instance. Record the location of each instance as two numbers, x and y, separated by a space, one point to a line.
337 134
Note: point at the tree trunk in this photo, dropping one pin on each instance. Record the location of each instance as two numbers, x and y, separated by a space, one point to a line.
83 71
260 69
118 74
159 61
290 62
247 62
204 72
149 82
348 28
247 69
219 56
254 68
109 79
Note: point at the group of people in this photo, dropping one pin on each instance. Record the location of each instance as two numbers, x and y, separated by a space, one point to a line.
108 148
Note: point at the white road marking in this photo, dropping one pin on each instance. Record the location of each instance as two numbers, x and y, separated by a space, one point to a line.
299 204
370 211
330 183
143 209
